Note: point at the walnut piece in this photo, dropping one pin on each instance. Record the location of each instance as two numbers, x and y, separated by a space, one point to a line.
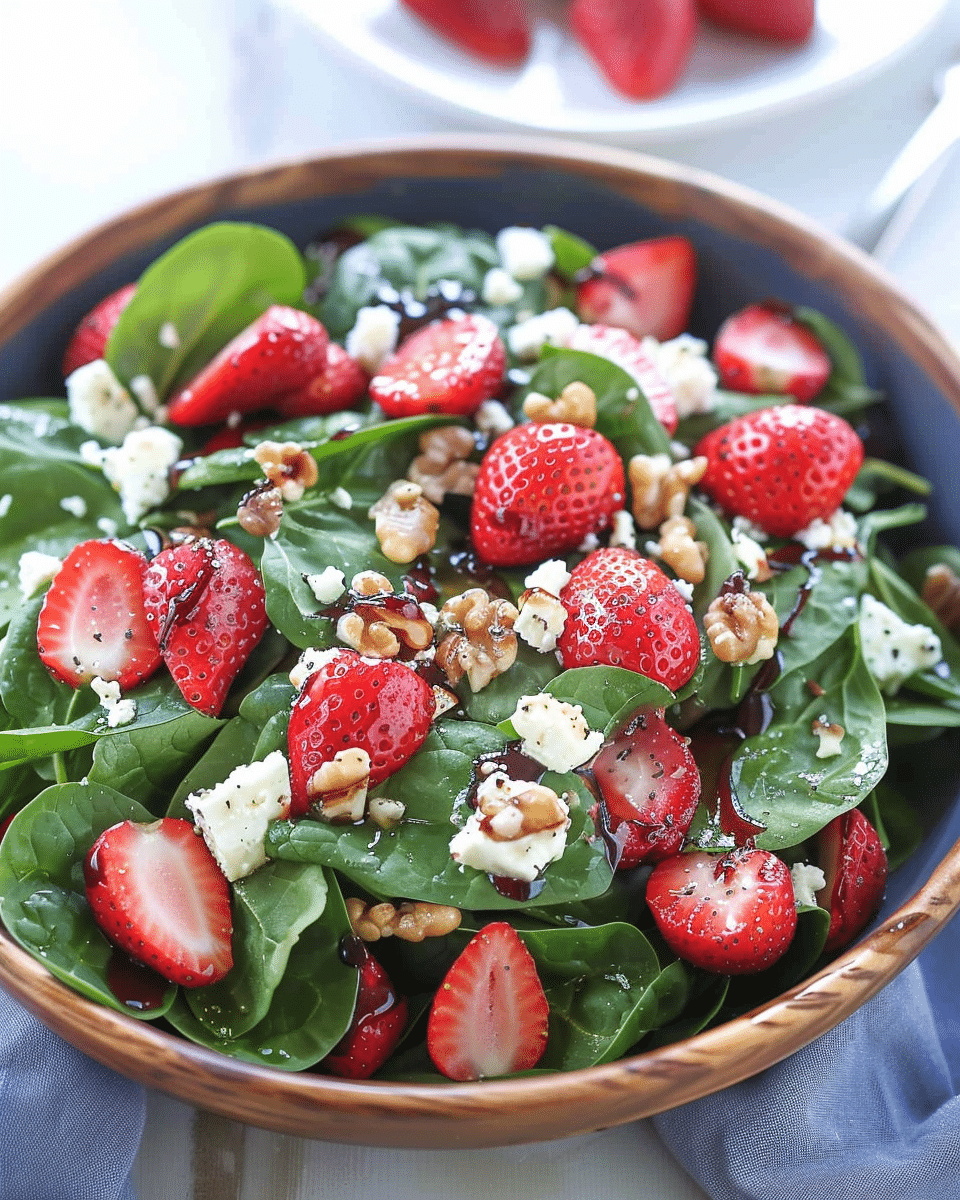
680 550
380 622
513 809
441 465
481 643
406 522
260 511
576 404
660 486
742 627
412 921
288 467
338 789
369 583
941 591
830 735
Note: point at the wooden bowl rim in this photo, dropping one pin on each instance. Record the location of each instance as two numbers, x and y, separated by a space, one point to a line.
494 1112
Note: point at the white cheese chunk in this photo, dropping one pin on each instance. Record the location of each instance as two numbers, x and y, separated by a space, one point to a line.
555 327
551 576
500 288
554 733
498 850
892 649
373 337
119 711
807 881
140 469
309 661
99 403
541 620
493 418
525 253
838 532
687 370
35 569
327 586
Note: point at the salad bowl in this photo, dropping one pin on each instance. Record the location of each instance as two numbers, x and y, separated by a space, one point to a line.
748 249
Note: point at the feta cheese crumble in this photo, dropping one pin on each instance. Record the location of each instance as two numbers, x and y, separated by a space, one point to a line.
807 881
119 711
234 815
140 468
493 418
5 503
99 403
526 253
838 532
750 554
309 661
555 327
624 530
500 288
551 576
35 569
892 649
373 337
684 364
76 506
341 498
541 620
554 733
328 585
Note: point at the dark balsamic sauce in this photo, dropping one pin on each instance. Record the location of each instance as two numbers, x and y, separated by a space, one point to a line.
136 987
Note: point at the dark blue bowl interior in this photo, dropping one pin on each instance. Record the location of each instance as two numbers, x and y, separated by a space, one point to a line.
732 272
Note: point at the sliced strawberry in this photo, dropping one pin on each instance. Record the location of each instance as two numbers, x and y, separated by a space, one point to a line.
626 351
229 437
376 705
622 611
733 913
641 46
781 467
92 622
338 386
644 287
379 1019
90 337
763 348
157 892
650 786
495 30
784 21
541 490
451 366
490 1015
206 611
282 350
854 864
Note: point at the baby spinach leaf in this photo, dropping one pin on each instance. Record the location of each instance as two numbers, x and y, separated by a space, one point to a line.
42 896
706 994
209 286
29 692
571 253
913 566
846 391
608 695
22 745
722 560
726 407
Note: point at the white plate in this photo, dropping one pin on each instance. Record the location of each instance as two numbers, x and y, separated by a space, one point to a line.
729 79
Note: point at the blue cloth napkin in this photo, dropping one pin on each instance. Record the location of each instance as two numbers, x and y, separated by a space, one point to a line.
869 1110
69 1128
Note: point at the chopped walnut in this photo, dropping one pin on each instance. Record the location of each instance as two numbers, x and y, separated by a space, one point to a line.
379 622
338 788
411 922
260 511
830 735
406 522
369 583
576 404
514 809
441 466
288 467
941 591
680 551
742 627
661 486
481 643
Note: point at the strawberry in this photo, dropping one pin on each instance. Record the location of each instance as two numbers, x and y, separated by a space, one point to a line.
641 46
157 892
650 786
763 348
785 21
733 913
379 1019
781 467
92 622
205 606
623 611
90 338
490 1015
282 350
854 863
495 30
623 349
341 382
643 287
541 489
378 705
450 366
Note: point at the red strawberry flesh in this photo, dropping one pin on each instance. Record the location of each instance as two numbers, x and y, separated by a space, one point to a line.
379 1019
90 338
764 348
626 351
495 30
644 287
854 864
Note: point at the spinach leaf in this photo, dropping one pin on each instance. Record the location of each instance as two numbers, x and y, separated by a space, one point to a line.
209 286
813 925
571 253
846 391
608 695
726 407
42 896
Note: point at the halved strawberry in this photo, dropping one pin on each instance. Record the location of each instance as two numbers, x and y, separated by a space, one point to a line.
644 287
282 350
157 892
541 489
854 863
376 705
205 608
626 351
784 21
451 366
490 1015
90 338
379 1019
781 467
495 30
650 786
341 382
641 46
733 913
93 623
623 611
763 348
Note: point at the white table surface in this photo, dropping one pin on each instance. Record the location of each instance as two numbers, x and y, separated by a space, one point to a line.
111 103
